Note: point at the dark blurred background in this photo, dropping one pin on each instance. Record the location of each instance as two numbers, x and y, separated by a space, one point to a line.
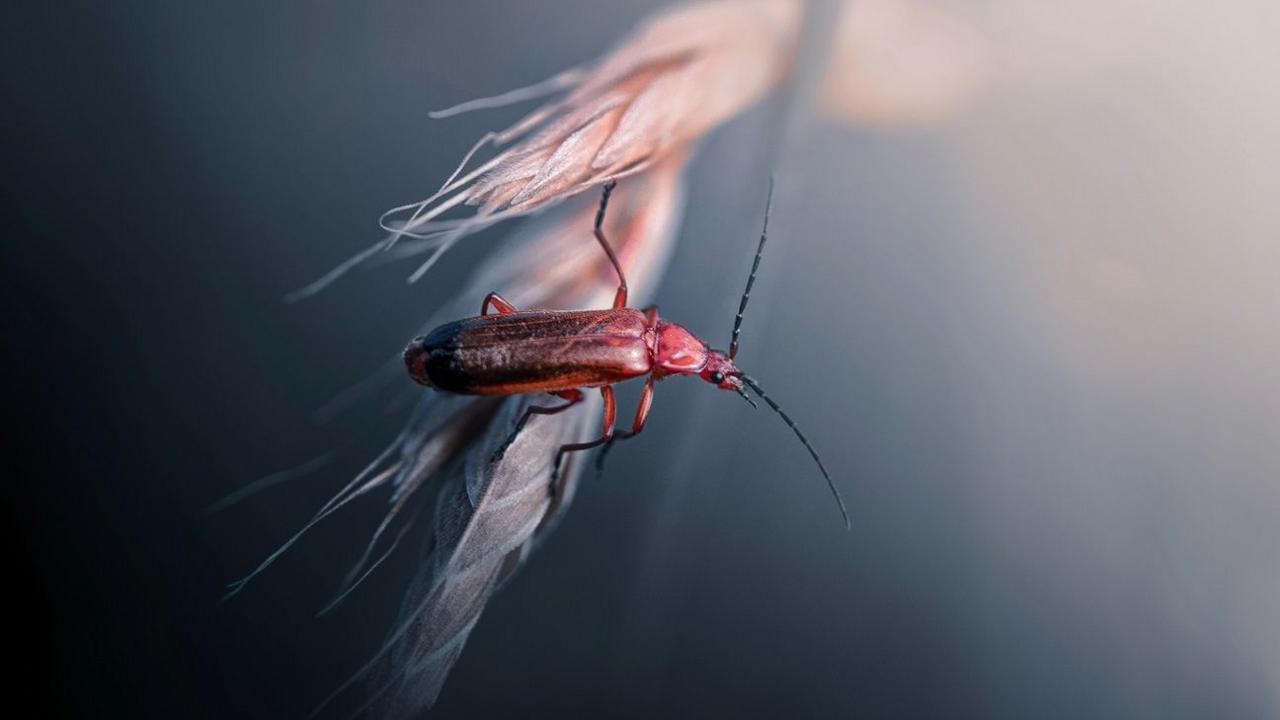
1037 344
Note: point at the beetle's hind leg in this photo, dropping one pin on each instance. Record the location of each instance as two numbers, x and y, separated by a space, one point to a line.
610 412
572 397
620 297
498 303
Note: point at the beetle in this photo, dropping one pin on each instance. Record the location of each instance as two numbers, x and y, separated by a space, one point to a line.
506 351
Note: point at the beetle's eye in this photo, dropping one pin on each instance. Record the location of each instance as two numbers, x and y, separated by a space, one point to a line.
716 377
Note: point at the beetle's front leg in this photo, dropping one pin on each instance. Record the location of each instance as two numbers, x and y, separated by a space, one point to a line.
572 397
610 412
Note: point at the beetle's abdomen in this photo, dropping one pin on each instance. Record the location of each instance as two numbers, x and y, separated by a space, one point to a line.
532 351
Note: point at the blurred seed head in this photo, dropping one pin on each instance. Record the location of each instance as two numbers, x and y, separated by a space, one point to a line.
902 62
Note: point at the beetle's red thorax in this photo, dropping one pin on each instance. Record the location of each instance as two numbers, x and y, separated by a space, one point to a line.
677 351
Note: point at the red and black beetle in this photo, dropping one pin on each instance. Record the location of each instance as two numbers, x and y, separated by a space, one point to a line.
505 351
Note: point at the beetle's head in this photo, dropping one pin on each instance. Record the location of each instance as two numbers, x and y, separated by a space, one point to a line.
721 372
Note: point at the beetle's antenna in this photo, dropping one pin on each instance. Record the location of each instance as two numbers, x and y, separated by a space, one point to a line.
787 419
747 397
751 279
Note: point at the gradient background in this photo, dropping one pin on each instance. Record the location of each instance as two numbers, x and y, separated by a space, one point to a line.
1037 343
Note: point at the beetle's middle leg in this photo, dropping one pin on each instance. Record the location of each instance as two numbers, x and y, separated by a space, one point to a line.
572 397
642 414
610 412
